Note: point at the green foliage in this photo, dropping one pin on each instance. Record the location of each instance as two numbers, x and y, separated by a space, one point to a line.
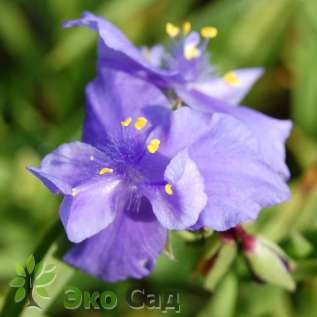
20 295
44 69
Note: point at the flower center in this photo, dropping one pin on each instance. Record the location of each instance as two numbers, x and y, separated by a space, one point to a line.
125 151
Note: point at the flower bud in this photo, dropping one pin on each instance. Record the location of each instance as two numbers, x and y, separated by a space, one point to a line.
269 263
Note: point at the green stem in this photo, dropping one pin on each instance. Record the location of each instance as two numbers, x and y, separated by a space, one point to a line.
10 307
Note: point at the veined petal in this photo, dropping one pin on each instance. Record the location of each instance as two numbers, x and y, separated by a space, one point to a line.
237 181
68 166
116 51
234 92
183 127
91 208
115 96
270 133
178 204
126 248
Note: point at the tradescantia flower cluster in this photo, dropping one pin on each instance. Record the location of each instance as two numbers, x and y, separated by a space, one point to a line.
164 147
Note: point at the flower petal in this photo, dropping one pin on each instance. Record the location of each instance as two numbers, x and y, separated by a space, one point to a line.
237 182
217 87
270 133
116 51
68 166
115 96
91 208
127 248
178 206
182 128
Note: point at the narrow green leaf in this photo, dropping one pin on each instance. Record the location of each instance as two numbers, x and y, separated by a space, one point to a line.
20 295
45 279
42 292
299 247
223 303
19 269
30 264
305 68
17 282
222 264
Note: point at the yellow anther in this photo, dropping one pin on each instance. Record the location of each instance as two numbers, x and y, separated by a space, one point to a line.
154 145
126 122
171 29
140 123
209 32
231 78
105 170
191 51
187 27
168 189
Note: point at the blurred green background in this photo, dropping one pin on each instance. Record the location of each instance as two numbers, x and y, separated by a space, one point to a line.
44 69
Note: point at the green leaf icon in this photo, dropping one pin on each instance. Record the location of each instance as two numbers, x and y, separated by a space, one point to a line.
19 269
45 279
30 264
17 282
41 291
39 269
50 268
19 295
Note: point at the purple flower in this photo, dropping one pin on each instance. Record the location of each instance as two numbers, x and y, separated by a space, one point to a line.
182 71
142 169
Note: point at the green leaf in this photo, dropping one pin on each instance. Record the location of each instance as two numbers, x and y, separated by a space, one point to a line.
305 68
39 269
41 291
222 264
50 268
20 295
19 269
17 282
299 247
45 279
30 264
223 303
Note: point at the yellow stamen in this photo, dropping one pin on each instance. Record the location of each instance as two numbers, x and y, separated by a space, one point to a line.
209 32
191 51
231 78
140 123
187 27
105 170
171 29
126 122
168 189
153 146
